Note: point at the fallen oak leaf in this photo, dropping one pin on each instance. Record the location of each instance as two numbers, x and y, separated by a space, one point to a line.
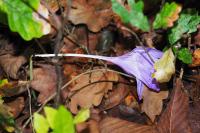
95 14
153 102
174 119
44 81
115 97
90 89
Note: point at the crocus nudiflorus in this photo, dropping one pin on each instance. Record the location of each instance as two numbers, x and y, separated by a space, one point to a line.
136 63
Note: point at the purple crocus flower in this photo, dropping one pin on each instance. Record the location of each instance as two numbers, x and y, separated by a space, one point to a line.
136 63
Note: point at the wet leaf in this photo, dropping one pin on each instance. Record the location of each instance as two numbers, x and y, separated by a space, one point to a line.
175 118
164 67
167 16
153 102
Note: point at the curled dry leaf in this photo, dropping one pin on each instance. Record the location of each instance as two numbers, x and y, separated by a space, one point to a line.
95 14
175 118
11 64
44 81
115 125
153 102
91 89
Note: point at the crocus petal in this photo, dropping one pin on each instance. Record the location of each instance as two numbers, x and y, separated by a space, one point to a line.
140 86
137 63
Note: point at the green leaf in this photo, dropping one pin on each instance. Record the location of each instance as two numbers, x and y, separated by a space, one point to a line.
185 55
135 16
21 19
167 15
121 11
40 123
63 121
50 116
3 82
82 116
164 67
187 23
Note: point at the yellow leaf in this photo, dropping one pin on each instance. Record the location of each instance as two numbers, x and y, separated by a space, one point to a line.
164 67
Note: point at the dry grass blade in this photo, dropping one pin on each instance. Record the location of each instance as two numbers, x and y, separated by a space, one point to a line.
174 118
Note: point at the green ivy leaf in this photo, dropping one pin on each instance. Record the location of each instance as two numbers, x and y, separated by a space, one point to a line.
167 15
50 116
185 55
135 16
40 123
63 121
187 23
82 116
21 19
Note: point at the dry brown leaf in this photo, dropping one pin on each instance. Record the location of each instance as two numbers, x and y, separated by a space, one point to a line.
196 58
16 106
91 89
53 5
44 81
175 118
115 125
116 96
11 64
95 14
153 102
